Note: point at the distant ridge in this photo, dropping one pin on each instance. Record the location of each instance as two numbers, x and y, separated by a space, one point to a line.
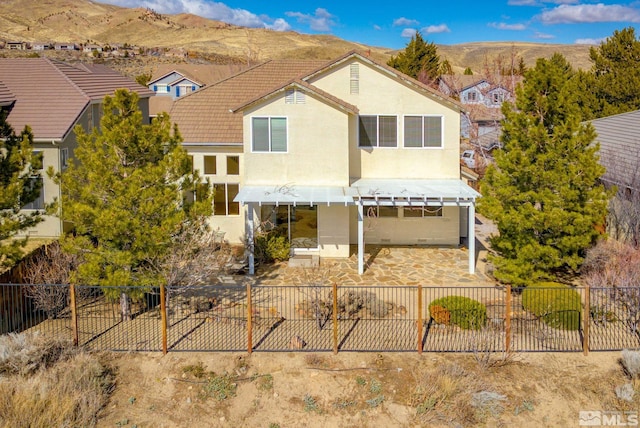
84 21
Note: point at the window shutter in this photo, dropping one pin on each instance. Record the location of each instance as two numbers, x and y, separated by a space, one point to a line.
155 88
278 134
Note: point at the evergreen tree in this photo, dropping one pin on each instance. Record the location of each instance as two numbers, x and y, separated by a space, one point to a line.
19 185
419 60
616 68
543 192
124 194
445 68
468 71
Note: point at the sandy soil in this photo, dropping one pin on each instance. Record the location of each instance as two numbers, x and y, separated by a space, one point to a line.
363 389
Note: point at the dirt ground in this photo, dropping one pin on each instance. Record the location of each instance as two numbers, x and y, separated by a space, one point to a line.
361 389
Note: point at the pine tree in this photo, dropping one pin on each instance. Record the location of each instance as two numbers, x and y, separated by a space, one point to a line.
468 71
124 194
19 186
419 60
616 68
543 192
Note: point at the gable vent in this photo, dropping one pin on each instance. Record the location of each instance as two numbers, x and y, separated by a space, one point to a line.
354 80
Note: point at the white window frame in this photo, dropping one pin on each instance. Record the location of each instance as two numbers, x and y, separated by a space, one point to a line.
423 146
270 134
377 142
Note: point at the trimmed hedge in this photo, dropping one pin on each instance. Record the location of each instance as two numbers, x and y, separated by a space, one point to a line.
557 305
459 310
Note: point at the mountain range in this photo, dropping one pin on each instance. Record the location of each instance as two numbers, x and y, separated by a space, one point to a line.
84 21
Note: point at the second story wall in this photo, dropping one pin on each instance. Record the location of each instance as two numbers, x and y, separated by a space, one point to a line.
301 141
396 114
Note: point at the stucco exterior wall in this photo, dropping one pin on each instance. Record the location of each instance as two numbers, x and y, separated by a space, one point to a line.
380 93
333 230
317 145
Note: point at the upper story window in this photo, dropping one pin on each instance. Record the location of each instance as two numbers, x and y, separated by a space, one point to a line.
378 131
497 97
38 202
186 89
64 157
472 96
269 134
423 131
161 88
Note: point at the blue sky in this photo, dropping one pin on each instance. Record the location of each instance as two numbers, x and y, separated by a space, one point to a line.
390 25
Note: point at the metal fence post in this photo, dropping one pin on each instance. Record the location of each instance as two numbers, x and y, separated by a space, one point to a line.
419 320
507 319
335 318
586 319
163 317
74 313
249 320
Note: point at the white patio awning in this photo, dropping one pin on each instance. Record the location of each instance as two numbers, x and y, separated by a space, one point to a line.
406 192
291 194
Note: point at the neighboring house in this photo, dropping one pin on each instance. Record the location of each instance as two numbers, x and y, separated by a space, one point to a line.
40 46
65 47
170 83
90 49
20 46
52 97
619 138
332 154
483 100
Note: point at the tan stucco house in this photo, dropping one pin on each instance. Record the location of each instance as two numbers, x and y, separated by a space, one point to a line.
52 97
335 154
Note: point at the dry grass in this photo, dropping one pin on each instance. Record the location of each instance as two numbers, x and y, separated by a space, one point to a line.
47 383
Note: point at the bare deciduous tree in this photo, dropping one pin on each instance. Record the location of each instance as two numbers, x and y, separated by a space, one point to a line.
623 171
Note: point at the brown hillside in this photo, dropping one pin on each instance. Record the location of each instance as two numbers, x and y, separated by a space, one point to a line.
81 21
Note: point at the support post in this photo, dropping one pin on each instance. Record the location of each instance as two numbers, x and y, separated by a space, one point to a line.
163 317
419 320
249 320
74 314
507 319
472 237
335 318
586 318
250 240
360 238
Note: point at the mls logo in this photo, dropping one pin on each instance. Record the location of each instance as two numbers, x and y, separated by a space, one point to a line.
590 418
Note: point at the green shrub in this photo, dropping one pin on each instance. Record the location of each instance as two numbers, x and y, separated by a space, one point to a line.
271 246
463 311
557 305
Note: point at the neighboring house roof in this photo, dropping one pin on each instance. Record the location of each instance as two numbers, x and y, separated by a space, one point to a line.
482 113
50 95
619 138
6 97
459 82
158 105
204 116
203 74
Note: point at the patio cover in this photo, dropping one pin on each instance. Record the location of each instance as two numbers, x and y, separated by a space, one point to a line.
367 192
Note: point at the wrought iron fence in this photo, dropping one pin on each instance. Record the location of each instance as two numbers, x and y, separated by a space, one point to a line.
327 318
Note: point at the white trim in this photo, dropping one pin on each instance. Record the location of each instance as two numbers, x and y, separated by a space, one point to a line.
286 118
423 147
377 116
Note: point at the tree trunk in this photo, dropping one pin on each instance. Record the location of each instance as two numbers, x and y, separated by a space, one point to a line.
125 307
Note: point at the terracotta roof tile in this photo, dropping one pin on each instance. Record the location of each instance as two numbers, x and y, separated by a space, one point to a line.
6 97
204 116
50 95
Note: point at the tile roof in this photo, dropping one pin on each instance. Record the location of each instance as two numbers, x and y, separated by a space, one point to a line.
204 116
619 138
51 95
200 73
6 97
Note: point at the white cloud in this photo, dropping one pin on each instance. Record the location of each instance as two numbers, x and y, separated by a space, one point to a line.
404 22
504 26
590 41
589 13
279 25
207 9
408 32
431 29
322 20
545 36
539 2
377 27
